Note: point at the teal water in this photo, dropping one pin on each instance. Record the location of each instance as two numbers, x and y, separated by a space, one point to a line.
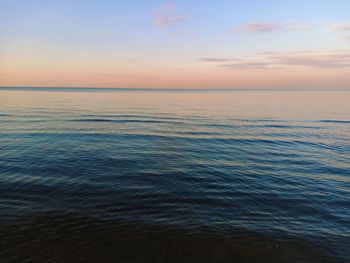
174 176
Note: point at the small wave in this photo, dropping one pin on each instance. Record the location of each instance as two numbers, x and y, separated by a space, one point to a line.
19 121
199 133
126 121
257 126
257 120
282 126
205 139
130 116
333 121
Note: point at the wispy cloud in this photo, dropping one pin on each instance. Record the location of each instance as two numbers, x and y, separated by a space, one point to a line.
315 59
336 27
125 75
263 27
218 59
168 16
168 22
278 60
246 65
300 27
236 63
260 27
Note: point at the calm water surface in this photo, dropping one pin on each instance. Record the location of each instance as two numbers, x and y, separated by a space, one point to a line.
88 176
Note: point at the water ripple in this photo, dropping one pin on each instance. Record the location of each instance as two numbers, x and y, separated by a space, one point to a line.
122 177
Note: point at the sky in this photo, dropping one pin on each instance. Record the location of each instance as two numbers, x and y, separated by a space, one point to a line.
269 44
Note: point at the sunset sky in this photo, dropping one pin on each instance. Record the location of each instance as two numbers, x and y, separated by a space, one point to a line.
178 44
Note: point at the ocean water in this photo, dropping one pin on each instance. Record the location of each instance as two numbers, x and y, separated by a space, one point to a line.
174 176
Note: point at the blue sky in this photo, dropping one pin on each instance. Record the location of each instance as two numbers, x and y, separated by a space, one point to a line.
175 44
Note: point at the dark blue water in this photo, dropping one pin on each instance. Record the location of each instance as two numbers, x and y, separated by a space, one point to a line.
174 176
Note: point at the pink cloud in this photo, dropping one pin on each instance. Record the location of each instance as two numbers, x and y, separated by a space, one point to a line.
346 37
247 65
208 59
274 26
168 16
338 27
168 21
260 27
312 59
277 60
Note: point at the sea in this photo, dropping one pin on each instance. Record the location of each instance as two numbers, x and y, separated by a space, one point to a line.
137 175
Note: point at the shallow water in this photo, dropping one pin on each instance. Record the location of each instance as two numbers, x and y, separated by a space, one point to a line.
191 176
